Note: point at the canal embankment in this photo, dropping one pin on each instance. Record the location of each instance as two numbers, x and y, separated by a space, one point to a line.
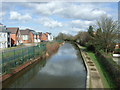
109 71
93 75
17 61
65 69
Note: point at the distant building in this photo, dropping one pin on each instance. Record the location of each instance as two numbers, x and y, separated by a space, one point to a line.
116 52
30 36
50 37
5 40
46 37
15 35
26 36
35 36
39 36
117 46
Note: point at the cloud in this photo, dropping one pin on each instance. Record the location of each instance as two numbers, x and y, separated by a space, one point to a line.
48 8
50 23
81 24
65 31
68 10
71 17
2 14
17 16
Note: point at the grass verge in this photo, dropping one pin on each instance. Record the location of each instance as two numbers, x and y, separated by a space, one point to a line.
103 74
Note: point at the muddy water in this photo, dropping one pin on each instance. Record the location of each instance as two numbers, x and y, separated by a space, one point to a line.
65 69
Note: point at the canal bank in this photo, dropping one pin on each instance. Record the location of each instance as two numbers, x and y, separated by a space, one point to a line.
93 75
52 46
65 69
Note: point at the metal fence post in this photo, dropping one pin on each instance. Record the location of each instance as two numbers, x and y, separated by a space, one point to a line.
14 57
22 56
2 64
33 52
28 54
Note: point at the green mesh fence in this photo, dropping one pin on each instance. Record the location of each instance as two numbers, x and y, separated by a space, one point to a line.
17 57
59 41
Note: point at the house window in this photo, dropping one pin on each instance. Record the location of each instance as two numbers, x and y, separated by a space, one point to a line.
25 37
34 36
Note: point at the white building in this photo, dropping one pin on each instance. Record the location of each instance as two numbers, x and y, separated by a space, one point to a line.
5 40
50 37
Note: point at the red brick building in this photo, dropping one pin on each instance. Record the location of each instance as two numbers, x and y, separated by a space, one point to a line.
15 35
44 37
117 46
27 36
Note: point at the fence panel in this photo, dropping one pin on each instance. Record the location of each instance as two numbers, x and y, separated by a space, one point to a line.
14 58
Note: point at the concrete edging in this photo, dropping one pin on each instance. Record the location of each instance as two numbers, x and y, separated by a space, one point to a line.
88 72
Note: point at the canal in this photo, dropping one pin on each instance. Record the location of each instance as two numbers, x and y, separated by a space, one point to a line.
65 69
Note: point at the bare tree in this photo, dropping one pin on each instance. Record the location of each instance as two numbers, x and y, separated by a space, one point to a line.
106 33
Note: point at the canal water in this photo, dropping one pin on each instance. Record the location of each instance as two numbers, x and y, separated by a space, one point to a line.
65 69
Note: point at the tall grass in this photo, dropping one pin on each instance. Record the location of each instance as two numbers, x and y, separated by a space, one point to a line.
52 47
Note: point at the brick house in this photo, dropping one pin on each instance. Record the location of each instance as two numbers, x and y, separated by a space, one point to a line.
35 36
117 46
15 35
116 52
44 37
27 36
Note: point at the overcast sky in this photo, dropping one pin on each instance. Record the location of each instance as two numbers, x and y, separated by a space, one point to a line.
55 17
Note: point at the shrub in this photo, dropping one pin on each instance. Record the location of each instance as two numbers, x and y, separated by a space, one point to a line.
117 51
52 47
110 67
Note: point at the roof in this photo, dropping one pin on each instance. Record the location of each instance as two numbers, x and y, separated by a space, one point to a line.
35 33
45 34
27 31
13 30
24 32
40 33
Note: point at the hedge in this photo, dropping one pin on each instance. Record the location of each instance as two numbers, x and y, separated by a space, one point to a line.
112 68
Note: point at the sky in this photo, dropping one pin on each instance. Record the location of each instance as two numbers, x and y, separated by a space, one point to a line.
55 16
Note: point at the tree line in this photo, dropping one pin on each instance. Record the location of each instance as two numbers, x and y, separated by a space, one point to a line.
102 36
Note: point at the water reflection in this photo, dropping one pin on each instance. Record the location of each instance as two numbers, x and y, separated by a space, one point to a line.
63 70
25 77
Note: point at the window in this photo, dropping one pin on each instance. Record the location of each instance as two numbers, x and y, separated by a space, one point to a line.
25 37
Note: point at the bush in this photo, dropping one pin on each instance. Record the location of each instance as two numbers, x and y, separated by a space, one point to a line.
52 47
117 51
110 67
90 48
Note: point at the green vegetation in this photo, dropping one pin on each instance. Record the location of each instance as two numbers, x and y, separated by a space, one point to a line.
117 51
103 74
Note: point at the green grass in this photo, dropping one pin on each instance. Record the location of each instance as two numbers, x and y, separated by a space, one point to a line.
10 48
103 74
